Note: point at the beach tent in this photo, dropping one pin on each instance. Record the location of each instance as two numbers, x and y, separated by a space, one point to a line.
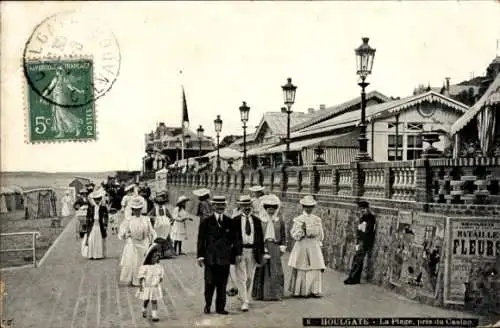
18 195
40 202
6 195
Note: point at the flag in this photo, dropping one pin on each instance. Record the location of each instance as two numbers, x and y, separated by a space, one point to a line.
185 116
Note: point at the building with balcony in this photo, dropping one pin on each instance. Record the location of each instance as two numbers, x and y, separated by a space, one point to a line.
165 145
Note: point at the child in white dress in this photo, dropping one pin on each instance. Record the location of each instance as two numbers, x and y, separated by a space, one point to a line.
150 276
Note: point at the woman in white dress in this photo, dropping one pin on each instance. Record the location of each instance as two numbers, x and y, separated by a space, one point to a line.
179 229
306 258
97 221
138 234
66 205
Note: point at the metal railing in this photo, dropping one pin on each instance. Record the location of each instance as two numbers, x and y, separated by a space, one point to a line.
34 237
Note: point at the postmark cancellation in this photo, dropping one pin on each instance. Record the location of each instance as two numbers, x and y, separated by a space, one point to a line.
60 102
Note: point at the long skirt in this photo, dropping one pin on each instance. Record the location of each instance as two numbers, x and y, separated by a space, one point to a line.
305 282
269 279
132 257
95 243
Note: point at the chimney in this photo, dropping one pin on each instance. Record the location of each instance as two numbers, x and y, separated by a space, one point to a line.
322 107
310 111
283 109
447 84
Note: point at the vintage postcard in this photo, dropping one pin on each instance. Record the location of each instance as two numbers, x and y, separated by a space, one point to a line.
249 164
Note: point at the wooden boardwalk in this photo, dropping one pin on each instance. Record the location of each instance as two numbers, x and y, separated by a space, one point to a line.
68 291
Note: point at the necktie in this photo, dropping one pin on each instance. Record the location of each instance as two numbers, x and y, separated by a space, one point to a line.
219 220
248 229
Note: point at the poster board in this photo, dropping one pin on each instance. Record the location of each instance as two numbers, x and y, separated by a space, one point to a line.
473 245
417 245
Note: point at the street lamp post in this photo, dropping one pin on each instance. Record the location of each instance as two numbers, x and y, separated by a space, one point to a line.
187 140
364 62
200 131
289 99
218 129
244 111
178 144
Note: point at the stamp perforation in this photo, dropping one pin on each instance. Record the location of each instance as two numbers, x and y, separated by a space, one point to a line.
25 96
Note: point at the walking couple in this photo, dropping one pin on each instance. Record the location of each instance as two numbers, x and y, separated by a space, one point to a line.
240 241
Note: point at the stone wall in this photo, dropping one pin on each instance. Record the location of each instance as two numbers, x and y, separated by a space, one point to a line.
400 259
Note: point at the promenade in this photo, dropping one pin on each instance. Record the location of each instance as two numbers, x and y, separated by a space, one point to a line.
68 291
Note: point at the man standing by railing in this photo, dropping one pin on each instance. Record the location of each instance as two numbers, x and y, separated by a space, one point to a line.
364 245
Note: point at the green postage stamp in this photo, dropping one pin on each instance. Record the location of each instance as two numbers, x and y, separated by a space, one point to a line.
60 100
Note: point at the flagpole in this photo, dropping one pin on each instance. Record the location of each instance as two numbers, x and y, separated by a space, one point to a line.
182 119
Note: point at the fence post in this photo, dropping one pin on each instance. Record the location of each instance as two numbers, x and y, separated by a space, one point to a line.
34 248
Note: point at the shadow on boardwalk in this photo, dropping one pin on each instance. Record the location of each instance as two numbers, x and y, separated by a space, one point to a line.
70 291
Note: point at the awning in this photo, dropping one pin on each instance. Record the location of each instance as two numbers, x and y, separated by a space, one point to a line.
490 97
259 150
341 140
225 153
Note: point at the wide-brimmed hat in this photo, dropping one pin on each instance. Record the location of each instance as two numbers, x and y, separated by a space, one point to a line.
181 199
201 192
137 202
131 186
308 200
271 200
218 200
99 193
244 200
256 188
156 247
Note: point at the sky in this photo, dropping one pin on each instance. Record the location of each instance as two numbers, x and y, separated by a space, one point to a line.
231 52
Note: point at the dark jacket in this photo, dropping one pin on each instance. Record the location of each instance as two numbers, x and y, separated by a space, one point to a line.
367 238
204 209
103 219
258 236
218 245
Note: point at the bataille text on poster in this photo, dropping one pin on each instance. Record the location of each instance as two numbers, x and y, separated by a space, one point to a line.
390 322
473 245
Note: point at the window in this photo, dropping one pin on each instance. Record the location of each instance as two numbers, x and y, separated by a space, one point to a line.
413 147
394 144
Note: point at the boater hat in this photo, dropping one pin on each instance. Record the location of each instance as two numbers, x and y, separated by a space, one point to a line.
271 200
181 199
99 193
308 201
218 200
244 200
201 192
137 202
83 190
256 188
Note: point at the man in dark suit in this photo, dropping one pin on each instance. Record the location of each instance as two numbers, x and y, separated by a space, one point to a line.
250 231
364 244
218 247
97 204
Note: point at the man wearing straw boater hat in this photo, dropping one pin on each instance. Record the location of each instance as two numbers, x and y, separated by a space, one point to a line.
204 208
250 232
218 247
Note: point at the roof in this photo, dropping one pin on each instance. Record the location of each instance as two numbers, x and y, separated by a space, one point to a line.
491 96
381 110
277 121
82 180
327 113
345 140
456 89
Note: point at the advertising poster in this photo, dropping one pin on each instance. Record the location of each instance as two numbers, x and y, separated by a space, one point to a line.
473 245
